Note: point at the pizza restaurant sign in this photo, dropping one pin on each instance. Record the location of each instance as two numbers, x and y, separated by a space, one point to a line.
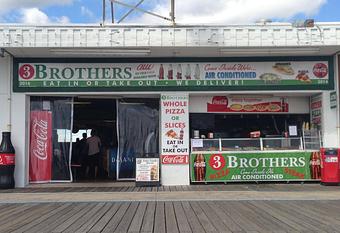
176 76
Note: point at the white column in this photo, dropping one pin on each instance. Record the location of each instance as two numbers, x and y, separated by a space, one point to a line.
174 151
20 137
4 92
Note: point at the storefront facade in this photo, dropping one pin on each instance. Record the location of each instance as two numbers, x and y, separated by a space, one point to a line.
211 83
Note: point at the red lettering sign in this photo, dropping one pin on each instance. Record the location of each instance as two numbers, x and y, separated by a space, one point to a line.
40 146
175 159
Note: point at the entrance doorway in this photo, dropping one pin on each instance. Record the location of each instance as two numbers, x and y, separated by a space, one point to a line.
127 128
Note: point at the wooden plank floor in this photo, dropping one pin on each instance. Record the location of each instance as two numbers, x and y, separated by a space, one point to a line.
173 217
196 187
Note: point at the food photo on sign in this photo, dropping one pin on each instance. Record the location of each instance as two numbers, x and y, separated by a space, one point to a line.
247 104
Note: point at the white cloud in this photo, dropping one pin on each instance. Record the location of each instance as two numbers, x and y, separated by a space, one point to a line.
231 11
7 5
86 11
36 16
33 16
63 20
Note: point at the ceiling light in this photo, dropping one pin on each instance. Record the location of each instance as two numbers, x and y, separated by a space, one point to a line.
103 51
268 51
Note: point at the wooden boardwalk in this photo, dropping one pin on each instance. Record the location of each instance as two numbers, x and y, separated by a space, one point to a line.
173 217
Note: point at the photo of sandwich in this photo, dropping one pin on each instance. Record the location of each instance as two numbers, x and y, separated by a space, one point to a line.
236 107
283 68
270 78
172 134
261 108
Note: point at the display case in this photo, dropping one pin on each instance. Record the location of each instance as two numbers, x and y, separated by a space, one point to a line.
247 144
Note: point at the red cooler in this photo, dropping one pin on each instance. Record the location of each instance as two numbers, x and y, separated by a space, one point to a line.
330 166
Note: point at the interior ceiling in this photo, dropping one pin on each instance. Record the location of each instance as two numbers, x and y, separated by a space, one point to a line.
175 52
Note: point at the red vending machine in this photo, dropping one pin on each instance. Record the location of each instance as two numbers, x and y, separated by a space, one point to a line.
330 166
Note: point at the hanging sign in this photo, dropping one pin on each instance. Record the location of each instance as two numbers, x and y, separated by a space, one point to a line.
247 104
40 160
198 76
175 129
333 99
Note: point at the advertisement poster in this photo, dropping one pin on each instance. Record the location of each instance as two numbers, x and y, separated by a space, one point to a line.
273 75
285 166
147 169
316 110
247 104
175 129
40 155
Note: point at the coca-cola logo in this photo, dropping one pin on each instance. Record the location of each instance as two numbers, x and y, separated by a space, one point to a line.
39 139
220 100
175 159
320 70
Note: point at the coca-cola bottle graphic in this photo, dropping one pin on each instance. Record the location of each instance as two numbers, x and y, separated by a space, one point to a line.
181 134
7 162
199 167
315 165
197 72
188 72
161 72
179 71
170 72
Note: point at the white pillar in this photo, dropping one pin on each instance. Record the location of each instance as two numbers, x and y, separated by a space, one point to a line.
4 92
174 151
20 138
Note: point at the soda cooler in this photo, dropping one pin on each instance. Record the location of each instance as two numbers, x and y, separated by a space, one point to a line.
330 166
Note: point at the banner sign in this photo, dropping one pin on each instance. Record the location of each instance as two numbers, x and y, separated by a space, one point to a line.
147 169
173 76
247 104
40 160
175 128
221 167
316 110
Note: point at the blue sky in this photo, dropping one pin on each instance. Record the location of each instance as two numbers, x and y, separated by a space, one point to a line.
187 11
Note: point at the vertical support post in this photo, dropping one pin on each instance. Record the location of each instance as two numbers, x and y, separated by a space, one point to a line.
112 13
172 13
261 144
103 12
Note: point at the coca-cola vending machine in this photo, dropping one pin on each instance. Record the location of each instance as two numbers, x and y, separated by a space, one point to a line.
330 166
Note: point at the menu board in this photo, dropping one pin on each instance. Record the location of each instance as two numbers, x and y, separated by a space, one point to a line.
147 169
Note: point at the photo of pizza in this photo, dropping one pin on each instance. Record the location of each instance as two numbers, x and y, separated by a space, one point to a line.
172 134
249 108
261 108
274 108
303 77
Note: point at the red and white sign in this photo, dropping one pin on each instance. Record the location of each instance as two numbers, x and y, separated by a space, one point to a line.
175 159
247 104
175 128
40 161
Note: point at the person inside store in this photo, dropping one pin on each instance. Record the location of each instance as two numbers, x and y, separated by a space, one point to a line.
82 154
93 155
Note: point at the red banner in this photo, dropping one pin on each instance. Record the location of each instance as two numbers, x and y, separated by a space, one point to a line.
40 164
175 159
